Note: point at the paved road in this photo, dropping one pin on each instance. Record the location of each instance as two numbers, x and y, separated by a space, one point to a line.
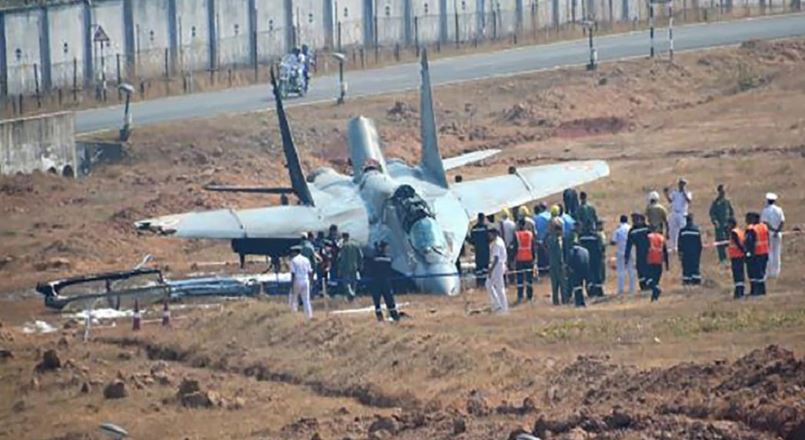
405 76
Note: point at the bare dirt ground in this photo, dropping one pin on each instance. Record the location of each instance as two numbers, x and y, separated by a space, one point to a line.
696 365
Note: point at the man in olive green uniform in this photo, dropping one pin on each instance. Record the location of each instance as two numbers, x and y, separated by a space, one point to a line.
350 260
656 214
586 216
603 243
721 211
554 242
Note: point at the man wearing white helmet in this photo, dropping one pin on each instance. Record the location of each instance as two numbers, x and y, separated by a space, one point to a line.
679 199
774 218
656 214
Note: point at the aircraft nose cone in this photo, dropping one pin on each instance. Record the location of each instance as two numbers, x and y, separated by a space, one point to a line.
440 280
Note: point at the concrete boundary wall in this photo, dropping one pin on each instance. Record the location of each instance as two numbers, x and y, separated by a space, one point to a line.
58 46
39 143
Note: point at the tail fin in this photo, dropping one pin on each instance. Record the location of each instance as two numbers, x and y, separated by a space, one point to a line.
431 161
298 182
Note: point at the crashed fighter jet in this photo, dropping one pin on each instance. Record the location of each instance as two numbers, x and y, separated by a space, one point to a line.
414 208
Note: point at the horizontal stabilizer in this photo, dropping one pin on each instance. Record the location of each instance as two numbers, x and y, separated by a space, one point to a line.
466 159
248 189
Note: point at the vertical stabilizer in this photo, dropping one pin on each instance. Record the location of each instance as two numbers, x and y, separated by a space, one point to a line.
298 182
431 162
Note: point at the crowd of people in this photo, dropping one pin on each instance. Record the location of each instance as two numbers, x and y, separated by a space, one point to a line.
568 244
335 259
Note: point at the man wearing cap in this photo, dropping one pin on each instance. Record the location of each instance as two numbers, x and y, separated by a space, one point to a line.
679 199
638 238
721 211
619 238
774 218
690 252
381 283
495 285
656 214
301 278
656 256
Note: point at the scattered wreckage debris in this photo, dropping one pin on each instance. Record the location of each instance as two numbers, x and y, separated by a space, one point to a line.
143 284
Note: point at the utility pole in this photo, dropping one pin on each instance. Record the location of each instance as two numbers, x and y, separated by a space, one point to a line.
589 25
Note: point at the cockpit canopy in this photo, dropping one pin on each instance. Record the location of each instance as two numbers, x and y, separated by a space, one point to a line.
410 206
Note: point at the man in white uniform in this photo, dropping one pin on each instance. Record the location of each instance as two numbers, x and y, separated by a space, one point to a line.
497 270
301 274
774 218
680 200
619 238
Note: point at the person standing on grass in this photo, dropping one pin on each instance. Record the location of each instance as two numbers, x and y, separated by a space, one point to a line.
690 252
721 211
524 261
479 236
774 218
656 256
301 279
756 247
381 283
737 255
638 237
350 260
495 285
679 199
556 262
619 238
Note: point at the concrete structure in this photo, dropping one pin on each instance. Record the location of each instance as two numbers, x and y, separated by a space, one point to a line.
24 33
52 44
271 25
39 143
428 21
193 34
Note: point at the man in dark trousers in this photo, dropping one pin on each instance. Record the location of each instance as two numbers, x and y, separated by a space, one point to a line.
638 238
690 252
591 241
570 198
656 256
578 269
382 275
479 236
526 247
721 211
735 250
757 253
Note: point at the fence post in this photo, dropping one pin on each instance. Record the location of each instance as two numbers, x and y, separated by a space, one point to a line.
75 79
21 106
416 34
36 84
119 79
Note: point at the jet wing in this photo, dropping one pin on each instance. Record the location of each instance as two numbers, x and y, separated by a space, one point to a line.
270 222
464 159
492 194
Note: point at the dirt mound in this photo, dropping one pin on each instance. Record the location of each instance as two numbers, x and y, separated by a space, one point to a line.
526 114
401 111
591 127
